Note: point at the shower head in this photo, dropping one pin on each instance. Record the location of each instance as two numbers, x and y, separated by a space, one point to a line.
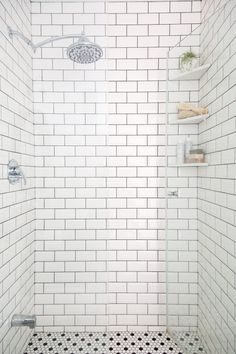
84 51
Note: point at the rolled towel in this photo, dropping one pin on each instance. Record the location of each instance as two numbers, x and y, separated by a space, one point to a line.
186 110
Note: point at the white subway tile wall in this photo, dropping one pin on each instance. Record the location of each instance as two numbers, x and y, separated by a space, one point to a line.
71 157
216 193
101 178
181 213
17 202
137 99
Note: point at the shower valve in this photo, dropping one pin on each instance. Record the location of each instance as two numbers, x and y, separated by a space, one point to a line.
14 172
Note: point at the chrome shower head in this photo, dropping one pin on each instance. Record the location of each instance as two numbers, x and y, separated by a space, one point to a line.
84 51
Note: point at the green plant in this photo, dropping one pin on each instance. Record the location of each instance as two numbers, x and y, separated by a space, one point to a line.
187 57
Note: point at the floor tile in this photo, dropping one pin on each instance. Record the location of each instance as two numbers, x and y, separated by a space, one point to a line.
102 343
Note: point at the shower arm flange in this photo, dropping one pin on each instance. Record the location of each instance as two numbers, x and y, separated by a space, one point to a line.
46 41
13 33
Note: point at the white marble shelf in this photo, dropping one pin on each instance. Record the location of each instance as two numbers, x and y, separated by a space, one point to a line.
194 74
203 164
191 120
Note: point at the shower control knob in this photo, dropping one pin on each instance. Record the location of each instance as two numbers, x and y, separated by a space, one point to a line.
14 172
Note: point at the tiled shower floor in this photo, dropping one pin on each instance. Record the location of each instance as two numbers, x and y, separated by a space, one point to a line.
189 342
104 343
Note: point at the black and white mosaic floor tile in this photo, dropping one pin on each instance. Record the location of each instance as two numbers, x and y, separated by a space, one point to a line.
102 343
189 342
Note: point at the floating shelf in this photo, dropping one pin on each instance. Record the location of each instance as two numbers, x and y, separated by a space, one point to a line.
194 74
191 120
203 164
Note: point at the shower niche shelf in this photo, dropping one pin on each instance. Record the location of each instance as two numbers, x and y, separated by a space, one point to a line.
194 74
191 120
202 164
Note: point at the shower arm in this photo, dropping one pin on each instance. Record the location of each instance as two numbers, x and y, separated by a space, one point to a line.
41 44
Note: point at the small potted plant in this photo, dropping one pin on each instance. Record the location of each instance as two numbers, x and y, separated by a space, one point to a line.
188 61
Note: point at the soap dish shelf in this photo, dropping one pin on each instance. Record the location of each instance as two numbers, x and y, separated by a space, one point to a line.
201 164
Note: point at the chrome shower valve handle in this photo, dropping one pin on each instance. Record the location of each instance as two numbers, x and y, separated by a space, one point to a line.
15 173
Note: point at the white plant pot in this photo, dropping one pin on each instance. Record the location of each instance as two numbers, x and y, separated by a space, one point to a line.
189 65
